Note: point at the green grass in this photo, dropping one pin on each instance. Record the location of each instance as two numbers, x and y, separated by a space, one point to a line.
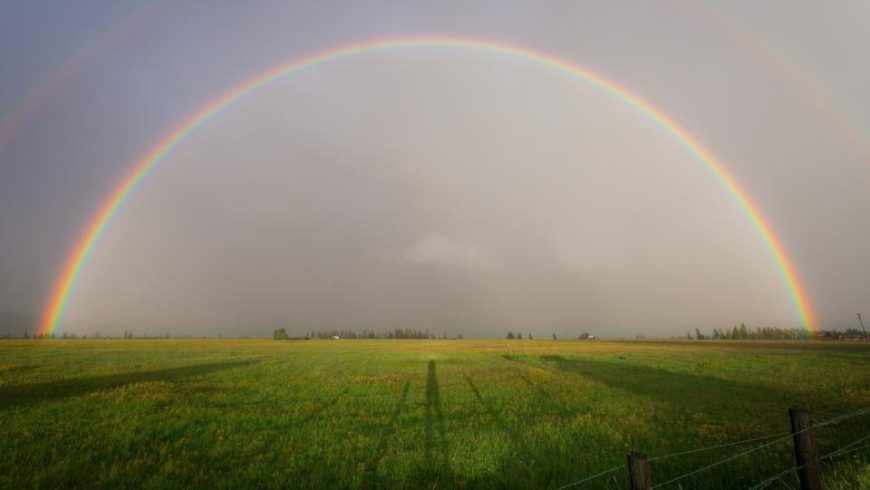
413 414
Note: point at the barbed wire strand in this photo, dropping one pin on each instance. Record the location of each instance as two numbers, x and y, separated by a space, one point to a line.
729 444
842 449
775 477
845 416
865 446
611 470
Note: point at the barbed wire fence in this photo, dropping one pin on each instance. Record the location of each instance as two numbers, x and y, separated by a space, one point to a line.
859 444
839 452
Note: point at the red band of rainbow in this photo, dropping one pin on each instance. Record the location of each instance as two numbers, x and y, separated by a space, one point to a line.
54 310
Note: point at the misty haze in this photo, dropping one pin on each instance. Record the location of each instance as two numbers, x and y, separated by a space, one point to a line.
447 195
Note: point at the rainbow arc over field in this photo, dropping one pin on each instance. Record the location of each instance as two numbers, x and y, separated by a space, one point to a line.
65 284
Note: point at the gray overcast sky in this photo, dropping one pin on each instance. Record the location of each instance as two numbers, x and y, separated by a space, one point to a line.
459 191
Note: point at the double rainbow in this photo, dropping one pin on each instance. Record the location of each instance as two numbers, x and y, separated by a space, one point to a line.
54 310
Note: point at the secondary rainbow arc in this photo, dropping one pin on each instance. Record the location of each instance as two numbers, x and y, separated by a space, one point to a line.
64 286
22 114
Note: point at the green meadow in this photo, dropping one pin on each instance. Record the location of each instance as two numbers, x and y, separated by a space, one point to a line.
423 414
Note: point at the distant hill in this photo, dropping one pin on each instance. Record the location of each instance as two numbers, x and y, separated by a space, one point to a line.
14 324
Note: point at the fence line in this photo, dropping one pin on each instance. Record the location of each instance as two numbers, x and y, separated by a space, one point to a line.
780 436
839 452
681 453
832 421
723 461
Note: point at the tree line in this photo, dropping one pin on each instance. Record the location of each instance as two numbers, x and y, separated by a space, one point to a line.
128 334
519 336
398 333
772 333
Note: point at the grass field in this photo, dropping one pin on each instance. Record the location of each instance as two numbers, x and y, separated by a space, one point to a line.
414 414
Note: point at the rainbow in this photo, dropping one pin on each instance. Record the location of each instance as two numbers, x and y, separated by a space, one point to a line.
65 284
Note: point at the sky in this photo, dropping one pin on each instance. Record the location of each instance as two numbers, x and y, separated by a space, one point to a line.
451 189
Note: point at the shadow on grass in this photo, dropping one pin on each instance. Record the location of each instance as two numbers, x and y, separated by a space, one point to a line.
512 430
681 389
308 417
535 461
438 465
548 403
371 465
18 369
11 396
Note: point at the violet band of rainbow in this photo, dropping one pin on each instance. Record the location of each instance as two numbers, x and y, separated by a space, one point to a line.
63 288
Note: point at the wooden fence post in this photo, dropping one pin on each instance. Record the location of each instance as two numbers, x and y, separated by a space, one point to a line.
805 451
638 472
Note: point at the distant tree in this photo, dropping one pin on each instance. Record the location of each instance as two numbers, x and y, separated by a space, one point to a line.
554 336
280 334
744 334
530 337
584 336
519 336
698 334
510 336
459 336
